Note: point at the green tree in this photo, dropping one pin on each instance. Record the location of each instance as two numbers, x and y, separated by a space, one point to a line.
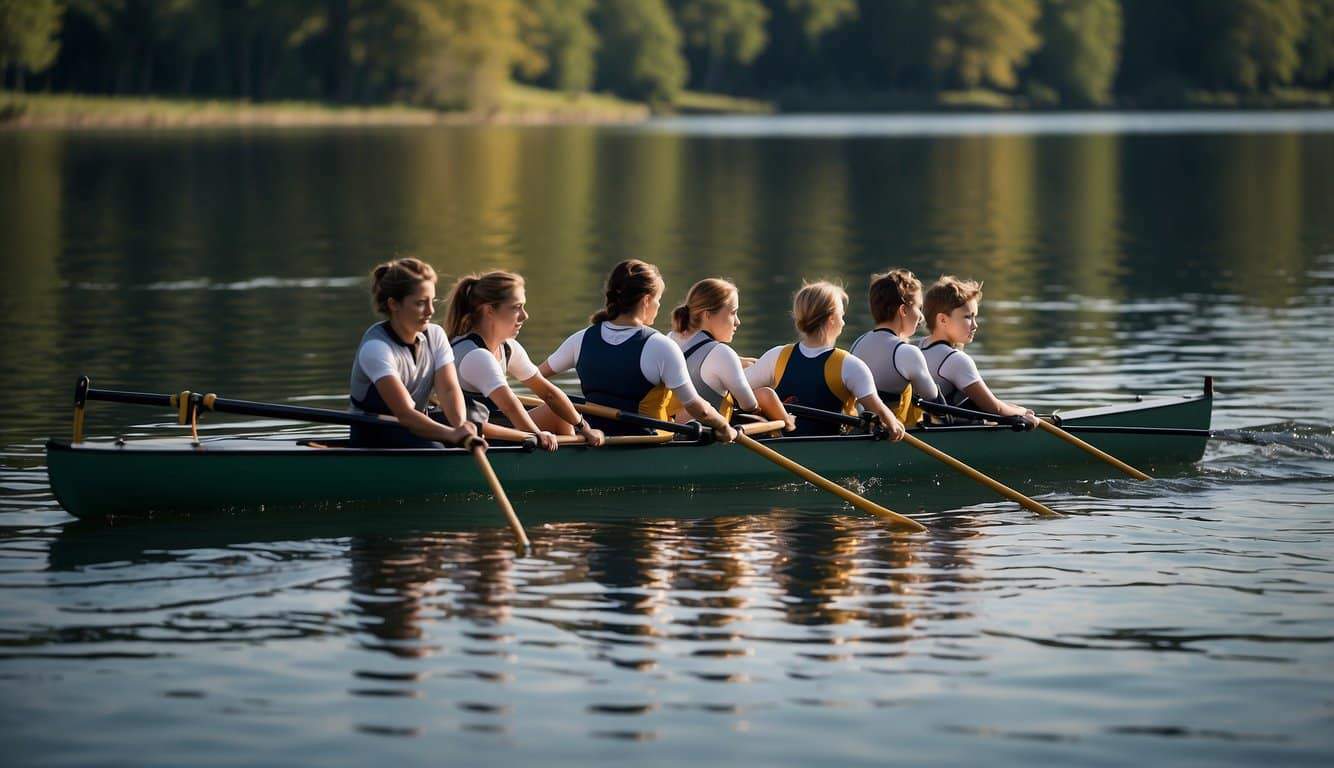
561 32
29 39
982 42
640 56
817 17
1252 43
1081 48
1317 49
723 32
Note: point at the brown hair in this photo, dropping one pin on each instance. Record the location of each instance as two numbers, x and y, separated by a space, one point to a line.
629 281
397 279
946 295
472 292
889 291
712 294
815 303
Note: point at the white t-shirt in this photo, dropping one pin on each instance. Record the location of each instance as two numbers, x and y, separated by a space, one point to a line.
661 360
895 364
721 370
856 376
380 355
952 369
480 371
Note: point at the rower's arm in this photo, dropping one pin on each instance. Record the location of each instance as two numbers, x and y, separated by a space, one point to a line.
396 396
772 408
559 404
709 416
888 420
983 398
449 394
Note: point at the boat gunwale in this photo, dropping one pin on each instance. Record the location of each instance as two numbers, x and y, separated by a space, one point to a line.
302 446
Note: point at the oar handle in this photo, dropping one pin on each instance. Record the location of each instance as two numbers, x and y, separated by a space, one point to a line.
753 427
825 484
989 482
498 491
1047 426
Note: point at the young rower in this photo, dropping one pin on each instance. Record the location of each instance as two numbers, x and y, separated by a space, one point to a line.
402 361
625 364
813 372
951 308
897 365
704 327
486 312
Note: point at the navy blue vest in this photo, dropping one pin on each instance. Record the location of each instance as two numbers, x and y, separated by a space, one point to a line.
609 375
803 383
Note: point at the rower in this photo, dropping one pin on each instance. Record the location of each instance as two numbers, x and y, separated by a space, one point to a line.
402 361
624 364
486 312
813 372
896 363
951 307
704 327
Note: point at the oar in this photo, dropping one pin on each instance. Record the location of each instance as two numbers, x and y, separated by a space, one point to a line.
1043 425
497 490
1226 435
693 429
1047 426
935 453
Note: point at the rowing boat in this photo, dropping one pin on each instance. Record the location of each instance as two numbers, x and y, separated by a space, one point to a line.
99 478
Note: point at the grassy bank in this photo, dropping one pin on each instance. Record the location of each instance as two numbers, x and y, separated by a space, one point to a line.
518 105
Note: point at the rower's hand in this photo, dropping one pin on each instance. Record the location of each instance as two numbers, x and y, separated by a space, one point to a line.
594 437
747 362
547 441
894 429
724 434
1030 418
465 436
789 422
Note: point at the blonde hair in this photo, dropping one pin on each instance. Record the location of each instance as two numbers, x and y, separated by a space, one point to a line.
398 279
815 303
946 295
712 294
472 292
889 291
629 281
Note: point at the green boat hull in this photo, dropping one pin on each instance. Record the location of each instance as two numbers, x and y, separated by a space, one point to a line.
98 479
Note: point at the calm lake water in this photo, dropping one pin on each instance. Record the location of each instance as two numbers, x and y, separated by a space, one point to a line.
1184 621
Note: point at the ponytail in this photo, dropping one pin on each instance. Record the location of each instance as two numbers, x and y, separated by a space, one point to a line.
472 292
712 294
629 282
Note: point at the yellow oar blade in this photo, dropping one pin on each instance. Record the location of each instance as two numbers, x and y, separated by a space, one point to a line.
994 485
1110 459
498 491
899 521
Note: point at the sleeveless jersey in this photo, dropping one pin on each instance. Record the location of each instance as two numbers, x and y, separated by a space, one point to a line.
609 375
695 356
816 382
478 406
414 365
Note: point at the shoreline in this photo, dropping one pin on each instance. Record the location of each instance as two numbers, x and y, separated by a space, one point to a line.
520 106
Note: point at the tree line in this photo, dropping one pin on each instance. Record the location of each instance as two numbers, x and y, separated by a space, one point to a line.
461 53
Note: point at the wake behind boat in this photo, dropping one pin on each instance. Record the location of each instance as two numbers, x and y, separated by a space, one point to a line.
105 477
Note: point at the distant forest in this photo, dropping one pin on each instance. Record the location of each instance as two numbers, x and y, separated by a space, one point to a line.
459 54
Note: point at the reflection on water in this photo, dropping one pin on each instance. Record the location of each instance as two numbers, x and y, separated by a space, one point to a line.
1179 622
